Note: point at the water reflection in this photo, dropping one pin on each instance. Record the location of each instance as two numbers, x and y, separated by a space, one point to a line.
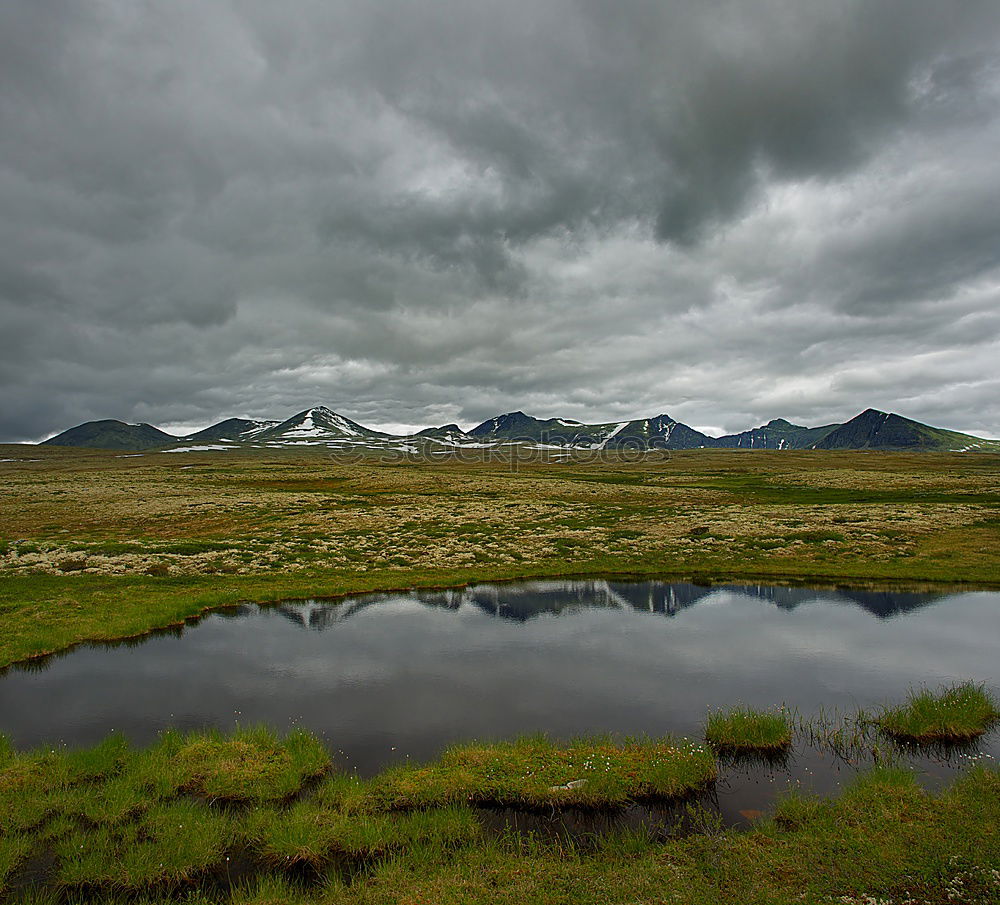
389 677
522 601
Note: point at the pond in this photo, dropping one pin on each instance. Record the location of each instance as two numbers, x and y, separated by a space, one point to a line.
383 678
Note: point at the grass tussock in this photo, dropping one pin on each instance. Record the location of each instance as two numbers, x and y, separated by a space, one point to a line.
270 889
31 786
535 772
13 850
118 800
171 844
310 834
747 731
251 765
956 714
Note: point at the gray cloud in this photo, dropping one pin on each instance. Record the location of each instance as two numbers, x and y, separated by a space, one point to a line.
425 212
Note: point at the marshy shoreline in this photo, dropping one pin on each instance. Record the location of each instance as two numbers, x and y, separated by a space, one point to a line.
256 817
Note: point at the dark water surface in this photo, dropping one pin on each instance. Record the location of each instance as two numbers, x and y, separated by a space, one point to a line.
387 677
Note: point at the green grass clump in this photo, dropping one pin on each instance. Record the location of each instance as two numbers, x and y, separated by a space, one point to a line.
172 843
336 789
362 835
309 833
30 789
13 850
301 835
535 772
105 759
957 713
815 536
269 889
156 770
250 765
747 731
116 801
118 818
107 784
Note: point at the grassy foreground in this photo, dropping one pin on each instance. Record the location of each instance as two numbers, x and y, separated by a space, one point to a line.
254 818
96 545
112 818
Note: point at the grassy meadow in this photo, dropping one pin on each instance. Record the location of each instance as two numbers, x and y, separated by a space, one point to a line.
98 545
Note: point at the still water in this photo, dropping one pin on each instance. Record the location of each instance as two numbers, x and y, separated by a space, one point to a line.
389 677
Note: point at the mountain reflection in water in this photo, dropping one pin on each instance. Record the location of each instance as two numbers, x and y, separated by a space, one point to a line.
522 601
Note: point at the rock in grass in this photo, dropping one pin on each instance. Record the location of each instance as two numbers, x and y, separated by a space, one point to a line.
569 786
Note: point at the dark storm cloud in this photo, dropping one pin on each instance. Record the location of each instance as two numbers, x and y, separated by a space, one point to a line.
423 212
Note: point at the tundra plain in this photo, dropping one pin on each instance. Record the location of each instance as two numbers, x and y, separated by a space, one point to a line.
99 545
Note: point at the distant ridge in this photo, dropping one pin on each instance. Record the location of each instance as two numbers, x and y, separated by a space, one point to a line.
449 433
113 435
873 429
661 432
230 429
777 434
321 426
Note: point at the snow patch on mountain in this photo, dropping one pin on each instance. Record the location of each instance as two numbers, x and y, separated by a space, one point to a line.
614 433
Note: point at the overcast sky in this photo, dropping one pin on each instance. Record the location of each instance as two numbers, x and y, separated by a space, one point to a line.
419 212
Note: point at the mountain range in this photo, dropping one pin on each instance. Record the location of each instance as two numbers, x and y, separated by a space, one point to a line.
321 426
